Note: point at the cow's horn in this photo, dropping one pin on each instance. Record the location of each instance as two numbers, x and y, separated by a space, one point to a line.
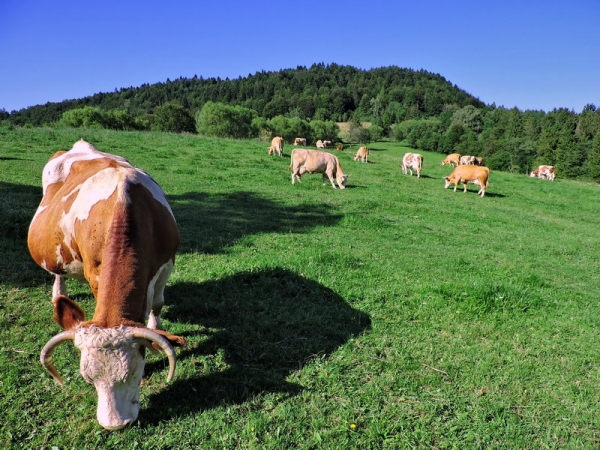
46 355
153 336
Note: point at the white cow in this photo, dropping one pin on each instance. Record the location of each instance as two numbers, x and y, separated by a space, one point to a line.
412 161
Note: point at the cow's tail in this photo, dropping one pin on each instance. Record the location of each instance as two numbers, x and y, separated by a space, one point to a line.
291 159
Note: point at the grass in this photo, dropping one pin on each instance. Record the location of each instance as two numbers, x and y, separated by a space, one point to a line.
393 314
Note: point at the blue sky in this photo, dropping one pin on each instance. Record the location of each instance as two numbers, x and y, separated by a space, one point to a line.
530 54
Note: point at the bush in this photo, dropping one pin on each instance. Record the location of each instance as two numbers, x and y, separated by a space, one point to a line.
173 118
220 120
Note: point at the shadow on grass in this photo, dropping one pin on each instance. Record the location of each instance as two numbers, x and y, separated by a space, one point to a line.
18 205
261 326
211 223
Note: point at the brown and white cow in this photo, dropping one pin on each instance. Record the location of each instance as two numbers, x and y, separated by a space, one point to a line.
467 160
452 159
316 161
104 221
300 141
478 161
328 144
544 172
362 154
320 144
276 146
469 174
412 161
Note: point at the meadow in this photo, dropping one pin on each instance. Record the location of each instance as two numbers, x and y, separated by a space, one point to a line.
392 314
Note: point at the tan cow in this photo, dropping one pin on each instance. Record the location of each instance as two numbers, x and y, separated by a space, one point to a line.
362 154
316 161
104 221
469 174
452 159
300 141
339 147
276 146
467 160
478 161
544 172
412 161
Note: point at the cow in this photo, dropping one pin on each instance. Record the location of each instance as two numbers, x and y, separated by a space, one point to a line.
316 161
328 144
478 161
452 159
320 144
362 154
469 174
339 147
300 141
467 160
276 146
412 161
102 220
544 172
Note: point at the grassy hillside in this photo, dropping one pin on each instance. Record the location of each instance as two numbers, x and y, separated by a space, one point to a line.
393 314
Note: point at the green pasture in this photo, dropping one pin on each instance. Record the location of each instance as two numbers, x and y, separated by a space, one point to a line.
393 314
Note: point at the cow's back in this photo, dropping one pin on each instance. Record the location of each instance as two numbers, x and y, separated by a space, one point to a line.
97 207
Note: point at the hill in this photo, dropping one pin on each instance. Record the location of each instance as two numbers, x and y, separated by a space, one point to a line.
393 314
324 92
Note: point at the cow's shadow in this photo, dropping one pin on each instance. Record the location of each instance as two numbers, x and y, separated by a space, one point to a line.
257 328
210 223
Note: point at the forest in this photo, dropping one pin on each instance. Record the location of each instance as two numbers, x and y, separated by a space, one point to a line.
422 108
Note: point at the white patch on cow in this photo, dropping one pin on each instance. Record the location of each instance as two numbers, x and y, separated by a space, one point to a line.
97 188
58 169
154 295
111 360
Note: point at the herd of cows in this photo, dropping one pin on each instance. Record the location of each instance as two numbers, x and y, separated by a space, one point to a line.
467 169
104 221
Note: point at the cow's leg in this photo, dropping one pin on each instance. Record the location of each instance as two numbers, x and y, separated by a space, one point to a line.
59 287
330 175
155 295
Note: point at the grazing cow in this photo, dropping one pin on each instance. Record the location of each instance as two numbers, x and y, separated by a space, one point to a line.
103 220
320 144
467 160
300 141
469 174
276 146
339 147
544 172
316 161
452 159
478 161
362 154
328 144
412 161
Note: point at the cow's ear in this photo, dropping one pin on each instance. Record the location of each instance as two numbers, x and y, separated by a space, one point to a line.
67 313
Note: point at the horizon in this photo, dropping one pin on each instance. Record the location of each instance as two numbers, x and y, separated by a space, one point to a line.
534 56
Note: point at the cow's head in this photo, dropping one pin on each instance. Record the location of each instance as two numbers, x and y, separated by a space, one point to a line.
341 181
447 182
112 359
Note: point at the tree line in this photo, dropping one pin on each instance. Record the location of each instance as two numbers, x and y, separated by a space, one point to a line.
418 107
